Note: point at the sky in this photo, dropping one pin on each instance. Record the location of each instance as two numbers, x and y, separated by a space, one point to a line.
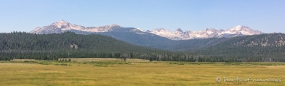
267 16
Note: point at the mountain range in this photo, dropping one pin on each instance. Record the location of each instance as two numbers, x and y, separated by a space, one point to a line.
158 38
63 26
178 34
239 43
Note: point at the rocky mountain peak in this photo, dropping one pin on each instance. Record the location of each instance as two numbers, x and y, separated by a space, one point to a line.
61 24
115 25
179 30
178 34
159 30
210 29
243 30
239 28
63 21
111 26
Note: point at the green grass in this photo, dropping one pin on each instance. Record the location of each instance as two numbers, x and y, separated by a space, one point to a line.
135 72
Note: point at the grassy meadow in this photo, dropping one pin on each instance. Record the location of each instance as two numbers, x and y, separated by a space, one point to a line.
137 72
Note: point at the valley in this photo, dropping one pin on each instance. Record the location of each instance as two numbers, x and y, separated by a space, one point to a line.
138 72
142 43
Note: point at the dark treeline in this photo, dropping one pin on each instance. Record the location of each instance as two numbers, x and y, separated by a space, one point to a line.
81 54
21 45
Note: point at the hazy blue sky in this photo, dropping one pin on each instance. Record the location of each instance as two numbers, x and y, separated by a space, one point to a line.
264 15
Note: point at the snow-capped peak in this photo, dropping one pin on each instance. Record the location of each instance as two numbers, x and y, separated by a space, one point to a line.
159 29
239 28
140 29
178 34
178 30
62 26
61 23
244 30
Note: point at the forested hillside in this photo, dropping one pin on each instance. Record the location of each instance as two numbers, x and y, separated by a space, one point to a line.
22 45
154 41
66 41
68 44
264 47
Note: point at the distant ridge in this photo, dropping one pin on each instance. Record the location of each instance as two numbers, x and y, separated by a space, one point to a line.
63 26
178 34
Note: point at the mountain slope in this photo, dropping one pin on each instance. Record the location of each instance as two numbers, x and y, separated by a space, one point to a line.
65 41
21 45
257 46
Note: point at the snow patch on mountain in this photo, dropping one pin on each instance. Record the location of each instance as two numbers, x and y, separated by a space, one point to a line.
207 33
63 26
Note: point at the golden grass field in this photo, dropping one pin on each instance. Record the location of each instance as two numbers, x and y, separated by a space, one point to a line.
135 72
